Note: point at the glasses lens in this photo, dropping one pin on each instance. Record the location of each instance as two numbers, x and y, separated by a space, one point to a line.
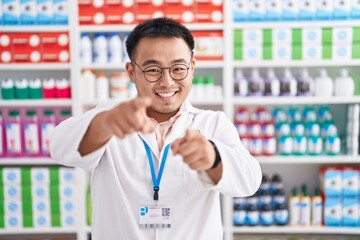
178 71
152 73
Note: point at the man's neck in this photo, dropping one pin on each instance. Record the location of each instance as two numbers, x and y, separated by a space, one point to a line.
161 117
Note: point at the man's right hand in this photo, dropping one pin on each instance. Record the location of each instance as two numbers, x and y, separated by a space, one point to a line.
129 117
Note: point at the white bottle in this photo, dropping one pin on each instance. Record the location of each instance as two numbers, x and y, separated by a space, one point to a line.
115 48
271 84
102 87
324 85
305 84
344 85
88 79
86 51
288 84
241 83
100 48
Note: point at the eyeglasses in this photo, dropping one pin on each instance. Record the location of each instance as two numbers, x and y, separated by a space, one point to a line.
178 71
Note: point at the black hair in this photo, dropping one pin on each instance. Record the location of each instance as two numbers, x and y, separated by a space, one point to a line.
158 27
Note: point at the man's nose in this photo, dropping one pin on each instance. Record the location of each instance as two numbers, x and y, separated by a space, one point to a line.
166 80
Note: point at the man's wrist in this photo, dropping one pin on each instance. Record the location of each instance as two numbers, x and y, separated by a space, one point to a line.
217 156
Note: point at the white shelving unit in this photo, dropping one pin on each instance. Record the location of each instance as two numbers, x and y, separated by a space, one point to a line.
305 166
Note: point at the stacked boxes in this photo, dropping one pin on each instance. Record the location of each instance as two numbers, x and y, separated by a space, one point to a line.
37 197
340 186
284 44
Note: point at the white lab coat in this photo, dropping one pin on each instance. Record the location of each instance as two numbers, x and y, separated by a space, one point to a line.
121 177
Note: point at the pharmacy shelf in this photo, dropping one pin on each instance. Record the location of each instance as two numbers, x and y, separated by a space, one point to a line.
35 66
34 28
296 24
7 161
34 231
36 103
296 63
130 27
306 159
265 100
297 230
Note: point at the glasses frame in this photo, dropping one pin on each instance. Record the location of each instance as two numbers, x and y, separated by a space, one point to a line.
162 70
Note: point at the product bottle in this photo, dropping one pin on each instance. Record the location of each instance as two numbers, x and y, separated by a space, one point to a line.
252 211
100 48
35 88
241 84
271 84
46 126
295 207
49 90
88 82
288 84
276 184
324 85
102 87
255 83
31 133
305 207
2 136
266 215
86 49
209 87
64 114
305 84
7 89
63 89
281 215
21 88
115 49
316 208
344 85
14 136
239 211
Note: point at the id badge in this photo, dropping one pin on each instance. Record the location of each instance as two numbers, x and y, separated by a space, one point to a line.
154 215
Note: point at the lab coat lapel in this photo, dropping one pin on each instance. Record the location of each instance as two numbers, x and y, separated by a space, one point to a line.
150 139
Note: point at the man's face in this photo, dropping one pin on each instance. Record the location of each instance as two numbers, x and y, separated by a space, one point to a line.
167 94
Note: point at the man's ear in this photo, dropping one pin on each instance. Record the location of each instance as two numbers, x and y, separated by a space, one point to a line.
131 71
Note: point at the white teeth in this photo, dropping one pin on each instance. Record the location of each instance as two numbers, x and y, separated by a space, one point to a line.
165 95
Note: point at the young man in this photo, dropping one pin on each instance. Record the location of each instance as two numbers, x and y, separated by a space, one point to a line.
158 164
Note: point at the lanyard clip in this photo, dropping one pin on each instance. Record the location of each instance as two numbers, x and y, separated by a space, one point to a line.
156 193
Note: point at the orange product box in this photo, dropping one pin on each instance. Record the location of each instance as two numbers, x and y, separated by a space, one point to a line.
89 14
209 11
6 53
118 14
27 47
146 10
179 12
55 47
208 45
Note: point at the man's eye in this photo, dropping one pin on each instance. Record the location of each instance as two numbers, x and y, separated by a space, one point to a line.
153 70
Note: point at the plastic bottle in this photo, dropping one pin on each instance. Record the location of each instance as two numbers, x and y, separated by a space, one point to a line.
64 114
255 84
14 136
49 90
62 87
198 92
35 88
209 87
281 215
86 49
266 215
288 84
271 84
344 85
119 85
126 57
102 87
239 217
31 133
316 208
2 136
252 211
305 84
21 88
241 84
294 207
276 184
100 48
324 85
7 89
47 124
88 82
115 49
305 207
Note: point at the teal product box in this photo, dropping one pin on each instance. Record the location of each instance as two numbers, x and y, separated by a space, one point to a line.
290 10
331 180
350 212
355 9
241 10
324 9
28 10
21 89
307 10
342 9
7 89
45 12
350 183
257 10
60 12
11 12
333 212
273 10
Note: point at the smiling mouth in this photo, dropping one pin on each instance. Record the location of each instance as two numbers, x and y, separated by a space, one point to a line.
166 94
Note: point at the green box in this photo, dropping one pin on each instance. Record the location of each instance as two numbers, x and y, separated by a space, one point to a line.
327 37
267 52
238 52
356 50
238 36
356 34
267 36
296 36
296 52
326 51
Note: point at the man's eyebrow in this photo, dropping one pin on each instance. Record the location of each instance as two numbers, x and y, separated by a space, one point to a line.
152 62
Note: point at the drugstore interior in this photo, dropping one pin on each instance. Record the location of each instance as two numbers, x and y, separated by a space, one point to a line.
285 71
